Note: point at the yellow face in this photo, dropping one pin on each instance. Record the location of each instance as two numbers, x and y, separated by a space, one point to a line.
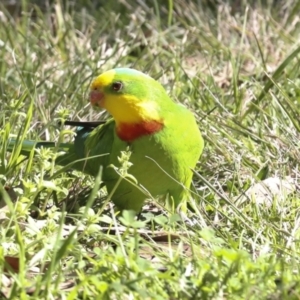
103 80
111 92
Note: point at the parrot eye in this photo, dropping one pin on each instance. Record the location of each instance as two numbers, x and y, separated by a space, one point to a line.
117 86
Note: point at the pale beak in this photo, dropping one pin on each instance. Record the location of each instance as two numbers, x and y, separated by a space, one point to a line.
96 98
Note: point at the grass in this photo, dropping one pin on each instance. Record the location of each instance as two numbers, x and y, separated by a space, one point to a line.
237 68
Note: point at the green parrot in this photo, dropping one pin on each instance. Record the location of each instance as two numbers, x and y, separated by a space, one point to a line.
162 136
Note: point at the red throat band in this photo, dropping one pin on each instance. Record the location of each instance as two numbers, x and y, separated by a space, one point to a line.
130 132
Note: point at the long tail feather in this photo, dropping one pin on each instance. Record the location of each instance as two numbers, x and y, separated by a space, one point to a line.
69 158
74 155
28 146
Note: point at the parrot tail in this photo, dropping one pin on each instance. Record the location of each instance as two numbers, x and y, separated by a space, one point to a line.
27 146
71 155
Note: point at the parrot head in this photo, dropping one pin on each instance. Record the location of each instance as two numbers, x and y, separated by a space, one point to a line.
133 98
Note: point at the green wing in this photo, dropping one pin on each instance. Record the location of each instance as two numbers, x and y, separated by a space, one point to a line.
93 147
